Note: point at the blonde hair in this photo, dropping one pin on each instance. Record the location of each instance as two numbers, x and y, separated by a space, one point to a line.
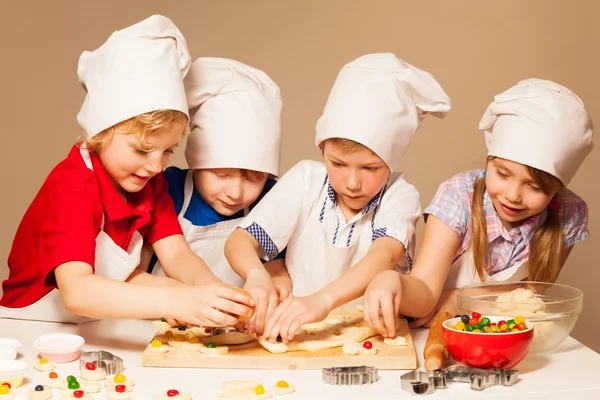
140 125
545 246
346 145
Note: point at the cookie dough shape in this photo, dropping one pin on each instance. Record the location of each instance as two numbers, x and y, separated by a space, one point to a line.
118 396
181 396
397 341
110 384
44 394
356 349
92 374
44 365
69 396
283 388
87 387
215 350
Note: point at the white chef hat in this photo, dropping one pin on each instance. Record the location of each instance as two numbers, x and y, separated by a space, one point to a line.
541 124
137 70
235 117
379 101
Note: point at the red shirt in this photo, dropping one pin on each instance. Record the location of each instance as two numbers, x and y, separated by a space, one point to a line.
62 223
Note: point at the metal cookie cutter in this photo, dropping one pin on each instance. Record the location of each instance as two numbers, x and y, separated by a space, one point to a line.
220 331
423 383
105 360
350 376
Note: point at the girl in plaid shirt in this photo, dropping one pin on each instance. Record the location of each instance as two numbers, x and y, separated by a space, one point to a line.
516 220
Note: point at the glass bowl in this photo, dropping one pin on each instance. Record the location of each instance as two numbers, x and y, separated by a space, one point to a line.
553 308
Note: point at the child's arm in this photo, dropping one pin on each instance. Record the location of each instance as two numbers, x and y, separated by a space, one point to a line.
181 263
241 250
140 277
415 294
95 296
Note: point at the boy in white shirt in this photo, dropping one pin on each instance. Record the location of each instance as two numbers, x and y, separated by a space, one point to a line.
347 219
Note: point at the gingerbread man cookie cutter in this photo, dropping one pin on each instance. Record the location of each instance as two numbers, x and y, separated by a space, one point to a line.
423 383
350 376
104 360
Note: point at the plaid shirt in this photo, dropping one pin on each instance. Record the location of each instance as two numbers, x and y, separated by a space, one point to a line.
452 205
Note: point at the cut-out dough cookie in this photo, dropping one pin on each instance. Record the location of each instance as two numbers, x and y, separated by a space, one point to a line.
282 388
355 349
118 396
43 365
215 350
160 349
192 347
87 387
181 396
69 396
92 374
110 384
43 394
397 341
54 383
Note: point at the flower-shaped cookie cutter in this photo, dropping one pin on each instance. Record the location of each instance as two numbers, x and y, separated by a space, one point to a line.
422 383
110 363
350 376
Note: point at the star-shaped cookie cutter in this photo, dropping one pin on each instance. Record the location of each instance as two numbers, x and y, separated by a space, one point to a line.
422 383
104 360
350 376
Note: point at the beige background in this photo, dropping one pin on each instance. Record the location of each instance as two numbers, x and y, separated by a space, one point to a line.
474 48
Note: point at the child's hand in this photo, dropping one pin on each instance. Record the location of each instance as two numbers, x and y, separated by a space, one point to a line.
283 286
260 285
213 305
447 302
293 313
382 294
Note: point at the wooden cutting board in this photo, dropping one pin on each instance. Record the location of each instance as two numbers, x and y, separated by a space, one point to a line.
253 356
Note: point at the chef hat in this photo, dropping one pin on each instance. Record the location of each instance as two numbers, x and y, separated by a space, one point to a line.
235 117
379 101
138 70
540 124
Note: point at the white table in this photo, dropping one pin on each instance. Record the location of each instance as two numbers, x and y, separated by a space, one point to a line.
573 370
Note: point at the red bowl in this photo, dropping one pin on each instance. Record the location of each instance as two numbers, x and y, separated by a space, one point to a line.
487 350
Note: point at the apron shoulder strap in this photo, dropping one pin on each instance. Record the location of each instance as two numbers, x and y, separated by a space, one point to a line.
188 191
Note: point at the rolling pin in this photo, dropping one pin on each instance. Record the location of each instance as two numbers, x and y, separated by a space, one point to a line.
435 352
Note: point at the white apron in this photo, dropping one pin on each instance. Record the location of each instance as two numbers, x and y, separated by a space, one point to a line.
111 261
313 261
463 273
208 242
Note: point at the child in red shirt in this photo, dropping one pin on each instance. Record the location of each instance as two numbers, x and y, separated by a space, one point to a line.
77 249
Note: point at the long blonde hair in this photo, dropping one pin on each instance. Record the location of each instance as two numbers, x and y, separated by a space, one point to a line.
545 246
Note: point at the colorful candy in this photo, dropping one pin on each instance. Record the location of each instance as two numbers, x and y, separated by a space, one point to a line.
78 394
43 361
282 384
120 388
52 375
258 390
211 345
368 345
90 366
73 385
39 388
478 323
156 343
120 378
172 393
8 385
4 389
71 378
181 327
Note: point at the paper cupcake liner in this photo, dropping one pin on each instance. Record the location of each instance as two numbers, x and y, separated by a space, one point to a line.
59 347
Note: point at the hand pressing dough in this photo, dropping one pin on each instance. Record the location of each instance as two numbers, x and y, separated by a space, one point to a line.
44 366
45 394
92 375
397 341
